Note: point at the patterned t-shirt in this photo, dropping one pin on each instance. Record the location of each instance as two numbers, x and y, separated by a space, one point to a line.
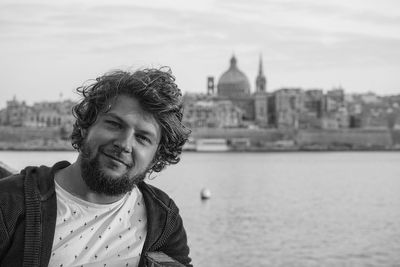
89 234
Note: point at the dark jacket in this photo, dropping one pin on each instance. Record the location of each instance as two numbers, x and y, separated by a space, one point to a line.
28 212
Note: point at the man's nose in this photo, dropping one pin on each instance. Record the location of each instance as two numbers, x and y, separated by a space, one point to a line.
125 141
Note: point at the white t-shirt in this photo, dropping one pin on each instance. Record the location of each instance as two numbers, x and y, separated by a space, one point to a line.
89 234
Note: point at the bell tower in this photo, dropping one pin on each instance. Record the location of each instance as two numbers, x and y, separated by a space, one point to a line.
261 81
261 97
210 85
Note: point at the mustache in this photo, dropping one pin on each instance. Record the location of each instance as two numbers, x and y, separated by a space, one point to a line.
116 154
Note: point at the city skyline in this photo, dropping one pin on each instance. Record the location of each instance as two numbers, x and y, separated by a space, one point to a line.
50 48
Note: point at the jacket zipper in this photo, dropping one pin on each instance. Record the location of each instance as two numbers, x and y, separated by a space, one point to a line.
166 234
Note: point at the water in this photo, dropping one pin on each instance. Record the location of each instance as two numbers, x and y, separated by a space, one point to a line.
280 209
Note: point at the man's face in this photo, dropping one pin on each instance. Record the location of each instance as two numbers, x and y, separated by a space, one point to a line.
119 147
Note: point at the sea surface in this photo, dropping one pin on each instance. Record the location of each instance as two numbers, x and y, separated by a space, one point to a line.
280 209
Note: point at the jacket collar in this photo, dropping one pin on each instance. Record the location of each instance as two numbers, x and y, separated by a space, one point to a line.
40 206
42 178
161 214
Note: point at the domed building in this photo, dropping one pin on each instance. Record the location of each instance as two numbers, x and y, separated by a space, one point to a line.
247 109
233 82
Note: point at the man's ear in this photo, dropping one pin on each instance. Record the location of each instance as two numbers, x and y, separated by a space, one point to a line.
155 159
154 162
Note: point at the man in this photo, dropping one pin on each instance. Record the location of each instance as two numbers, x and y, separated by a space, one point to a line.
98 211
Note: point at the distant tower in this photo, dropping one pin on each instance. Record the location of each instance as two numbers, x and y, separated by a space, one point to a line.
210 85
261 81
261 98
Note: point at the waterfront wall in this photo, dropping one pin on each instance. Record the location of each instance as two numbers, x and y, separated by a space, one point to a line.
29 138
261 135
11 134
347 138
307 139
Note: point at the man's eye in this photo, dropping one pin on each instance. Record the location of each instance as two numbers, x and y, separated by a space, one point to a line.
113 124
143 139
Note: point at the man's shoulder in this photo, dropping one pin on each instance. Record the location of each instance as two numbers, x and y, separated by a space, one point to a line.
12 184
11 193
153 190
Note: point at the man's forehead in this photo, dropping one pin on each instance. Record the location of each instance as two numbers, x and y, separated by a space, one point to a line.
126 104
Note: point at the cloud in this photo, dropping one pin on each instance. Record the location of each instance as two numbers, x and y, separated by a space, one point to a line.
376 19
199 36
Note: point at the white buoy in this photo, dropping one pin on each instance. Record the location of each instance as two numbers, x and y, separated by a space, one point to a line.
205 193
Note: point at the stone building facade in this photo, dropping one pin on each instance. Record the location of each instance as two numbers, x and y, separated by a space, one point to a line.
234 86
43 114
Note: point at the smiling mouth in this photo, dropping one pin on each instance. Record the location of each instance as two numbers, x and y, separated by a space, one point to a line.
118 160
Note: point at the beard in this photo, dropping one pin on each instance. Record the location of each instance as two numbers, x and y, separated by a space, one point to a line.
99 182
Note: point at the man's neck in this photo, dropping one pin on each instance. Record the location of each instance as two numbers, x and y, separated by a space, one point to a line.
70 179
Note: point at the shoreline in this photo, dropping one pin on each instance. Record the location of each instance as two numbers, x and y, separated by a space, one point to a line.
228 140
288 150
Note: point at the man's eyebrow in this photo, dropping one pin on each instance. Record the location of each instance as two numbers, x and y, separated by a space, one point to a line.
115 117
110 114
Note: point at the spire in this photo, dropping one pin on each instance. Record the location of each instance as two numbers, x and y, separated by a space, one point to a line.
261 81
233 61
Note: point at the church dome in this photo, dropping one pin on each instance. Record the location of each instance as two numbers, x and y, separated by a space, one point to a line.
233 82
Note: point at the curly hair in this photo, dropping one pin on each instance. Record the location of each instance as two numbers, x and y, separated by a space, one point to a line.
158 94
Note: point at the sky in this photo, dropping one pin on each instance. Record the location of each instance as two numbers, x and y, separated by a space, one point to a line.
48 48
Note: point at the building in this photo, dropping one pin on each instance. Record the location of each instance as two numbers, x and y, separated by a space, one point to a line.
212 113
311 114
285 108
43 114
261 98
261 80
286 105
54 114
233 83
18 114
